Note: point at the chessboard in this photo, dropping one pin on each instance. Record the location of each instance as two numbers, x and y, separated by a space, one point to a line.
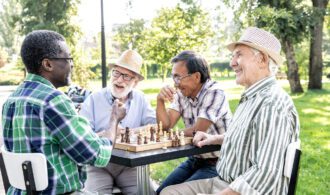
151 137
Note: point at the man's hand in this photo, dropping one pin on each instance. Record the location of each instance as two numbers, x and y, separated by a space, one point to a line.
118 111
202 139
166 93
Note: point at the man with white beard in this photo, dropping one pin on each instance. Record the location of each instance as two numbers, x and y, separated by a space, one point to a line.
125 75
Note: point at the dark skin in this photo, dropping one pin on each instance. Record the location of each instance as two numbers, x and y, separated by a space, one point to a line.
189 86
57 71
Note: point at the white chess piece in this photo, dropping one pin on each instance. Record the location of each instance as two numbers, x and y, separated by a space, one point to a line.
182 142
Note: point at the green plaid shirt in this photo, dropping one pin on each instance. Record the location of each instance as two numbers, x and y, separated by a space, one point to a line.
39 118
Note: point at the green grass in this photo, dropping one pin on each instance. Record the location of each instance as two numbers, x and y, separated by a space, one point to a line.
314 112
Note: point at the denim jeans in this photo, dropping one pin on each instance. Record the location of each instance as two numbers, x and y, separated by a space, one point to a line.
192 169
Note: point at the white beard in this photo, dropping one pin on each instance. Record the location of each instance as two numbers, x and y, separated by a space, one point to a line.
120 94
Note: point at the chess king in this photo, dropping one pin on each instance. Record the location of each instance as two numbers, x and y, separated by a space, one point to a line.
202 105
125 75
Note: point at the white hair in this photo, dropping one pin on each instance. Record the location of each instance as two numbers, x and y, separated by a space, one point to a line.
272 66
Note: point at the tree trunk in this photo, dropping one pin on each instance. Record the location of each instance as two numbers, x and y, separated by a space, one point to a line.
315 55
293 73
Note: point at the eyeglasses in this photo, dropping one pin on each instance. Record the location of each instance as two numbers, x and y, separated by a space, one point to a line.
69 60
177 79
126 77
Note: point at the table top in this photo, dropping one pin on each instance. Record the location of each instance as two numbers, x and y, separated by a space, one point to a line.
133 159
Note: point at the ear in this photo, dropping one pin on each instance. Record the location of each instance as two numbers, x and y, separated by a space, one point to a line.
263 60
197 76
136 81
46 65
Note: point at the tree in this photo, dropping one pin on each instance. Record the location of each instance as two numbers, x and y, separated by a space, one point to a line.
9 31
56 15
132 36
288 21
315 56
183 27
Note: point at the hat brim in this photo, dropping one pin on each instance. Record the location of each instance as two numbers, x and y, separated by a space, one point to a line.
276 57
140 77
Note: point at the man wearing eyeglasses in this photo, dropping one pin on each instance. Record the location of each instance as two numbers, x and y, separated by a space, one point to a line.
38 118
125 75
202 105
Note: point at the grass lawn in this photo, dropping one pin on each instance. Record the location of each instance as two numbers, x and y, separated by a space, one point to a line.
314 112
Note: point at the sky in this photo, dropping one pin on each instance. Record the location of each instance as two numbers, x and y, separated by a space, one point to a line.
116 11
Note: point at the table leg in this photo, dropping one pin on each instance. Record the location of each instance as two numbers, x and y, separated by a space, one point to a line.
143 182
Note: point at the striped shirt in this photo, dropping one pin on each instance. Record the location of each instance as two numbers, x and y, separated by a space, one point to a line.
253 151
211 104
37 118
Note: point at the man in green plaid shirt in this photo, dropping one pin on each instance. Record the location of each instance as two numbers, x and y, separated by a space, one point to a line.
38 118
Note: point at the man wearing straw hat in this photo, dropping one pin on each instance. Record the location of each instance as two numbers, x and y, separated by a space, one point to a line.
125 75
264 124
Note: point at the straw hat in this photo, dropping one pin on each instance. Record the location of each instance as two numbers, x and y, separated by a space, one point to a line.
261 40
130 60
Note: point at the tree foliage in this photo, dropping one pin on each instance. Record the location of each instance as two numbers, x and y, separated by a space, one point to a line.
9 16
184 27
56 15
288 20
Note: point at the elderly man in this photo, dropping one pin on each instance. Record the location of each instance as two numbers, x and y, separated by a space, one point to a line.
264 124
38 118
125 75
203 106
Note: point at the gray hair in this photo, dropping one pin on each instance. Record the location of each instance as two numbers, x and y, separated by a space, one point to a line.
272 66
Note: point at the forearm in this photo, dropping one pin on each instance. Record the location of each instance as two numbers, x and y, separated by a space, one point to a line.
111 133
162 115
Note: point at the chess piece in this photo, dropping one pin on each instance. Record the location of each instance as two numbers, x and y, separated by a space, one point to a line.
152 134
182 141
127 135
157 137
176 138
164 140
139 139
145 140
170 134
122 138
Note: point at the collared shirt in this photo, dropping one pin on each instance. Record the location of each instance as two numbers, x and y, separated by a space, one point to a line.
97 108
37 118
253 151
210 103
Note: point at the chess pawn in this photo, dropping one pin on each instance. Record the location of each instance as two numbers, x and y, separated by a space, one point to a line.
165 141
145 140
170 134
122 138
157 137
152 134
139 139
182 142
127 139
176 140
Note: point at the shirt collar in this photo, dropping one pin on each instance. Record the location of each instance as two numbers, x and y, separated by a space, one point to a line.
199 94
257 87
38 78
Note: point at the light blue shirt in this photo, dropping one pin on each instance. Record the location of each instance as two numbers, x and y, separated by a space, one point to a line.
97 108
